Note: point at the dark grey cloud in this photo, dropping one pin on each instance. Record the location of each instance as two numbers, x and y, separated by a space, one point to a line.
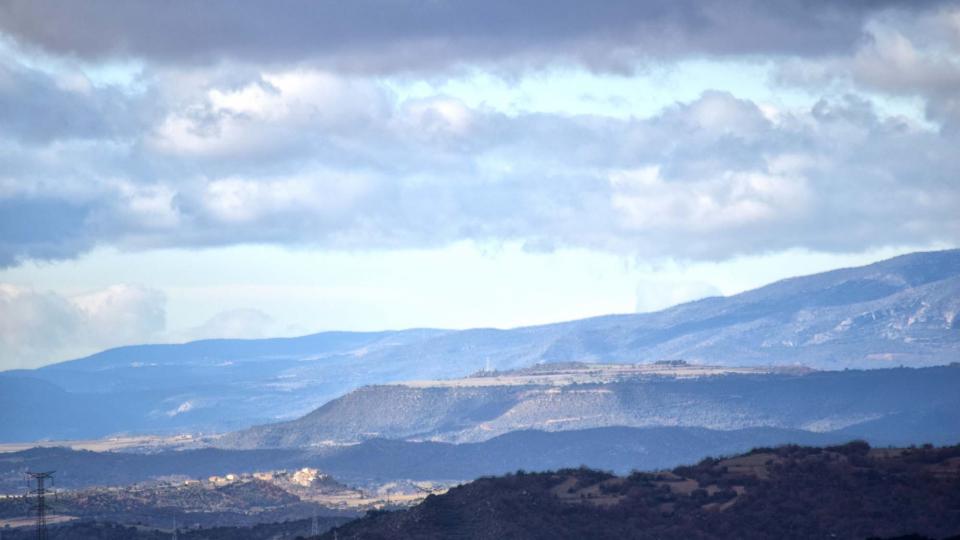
47 228
392 35
36 108
915 55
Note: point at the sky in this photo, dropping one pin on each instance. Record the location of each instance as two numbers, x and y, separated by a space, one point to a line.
172 171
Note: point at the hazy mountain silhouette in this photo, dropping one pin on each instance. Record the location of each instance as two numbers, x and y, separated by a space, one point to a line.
899 311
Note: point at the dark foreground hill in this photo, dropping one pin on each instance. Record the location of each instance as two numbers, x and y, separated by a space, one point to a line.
841 492
901 311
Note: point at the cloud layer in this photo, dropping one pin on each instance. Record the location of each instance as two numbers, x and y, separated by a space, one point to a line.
373 36
247 123
314 159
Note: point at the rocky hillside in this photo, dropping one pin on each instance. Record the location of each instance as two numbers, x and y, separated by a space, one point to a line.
902 311
844 492
893 405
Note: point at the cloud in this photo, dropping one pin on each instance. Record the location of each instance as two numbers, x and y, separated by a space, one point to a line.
911 56
235 323
38 106
41 327
731 200
330 167
38 327
120 314
372 36
302 142
45 228
659 294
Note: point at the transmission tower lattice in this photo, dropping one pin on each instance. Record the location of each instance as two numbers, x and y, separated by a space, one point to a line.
39 497
314 526
176 532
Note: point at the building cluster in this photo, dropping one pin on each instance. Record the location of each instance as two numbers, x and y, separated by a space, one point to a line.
304 477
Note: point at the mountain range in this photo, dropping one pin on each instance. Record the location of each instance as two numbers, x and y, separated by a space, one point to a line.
886 406
902 311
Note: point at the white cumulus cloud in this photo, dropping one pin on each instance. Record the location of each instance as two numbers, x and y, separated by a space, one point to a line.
38 327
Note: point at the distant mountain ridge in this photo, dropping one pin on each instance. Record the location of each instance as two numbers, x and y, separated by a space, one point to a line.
919 405
899 311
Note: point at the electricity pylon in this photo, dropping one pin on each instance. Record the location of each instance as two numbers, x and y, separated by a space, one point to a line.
39 496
